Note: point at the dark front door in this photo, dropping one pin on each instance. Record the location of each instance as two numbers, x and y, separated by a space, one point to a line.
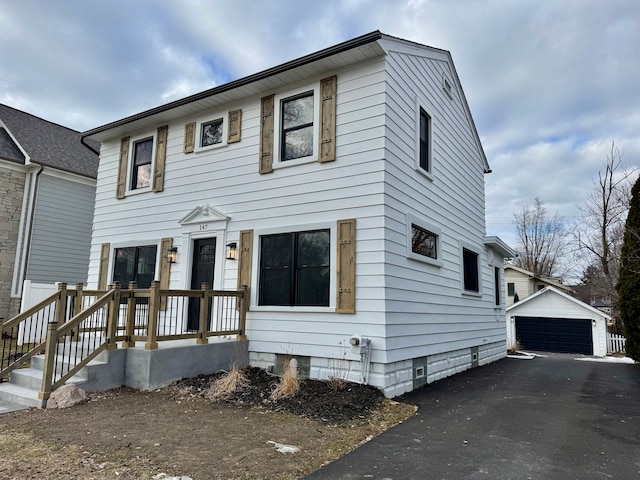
202 268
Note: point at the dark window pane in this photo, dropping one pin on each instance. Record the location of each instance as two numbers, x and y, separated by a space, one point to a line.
298 143
424 140
211 133
312 270
298 111
141 172
123 268
470 261
496 280
423 242
276 254
146 266
294 268
511 289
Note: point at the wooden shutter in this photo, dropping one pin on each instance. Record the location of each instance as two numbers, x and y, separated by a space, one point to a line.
346 267
189 137
165 269
245 257
123 163
235 126
266 134
328 88
105 249
161 158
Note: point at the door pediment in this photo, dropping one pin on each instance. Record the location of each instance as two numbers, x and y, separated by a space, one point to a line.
205 214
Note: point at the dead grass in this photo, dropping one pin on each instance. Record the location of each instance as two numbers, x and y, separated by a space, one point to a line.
515 347
289 384
228 384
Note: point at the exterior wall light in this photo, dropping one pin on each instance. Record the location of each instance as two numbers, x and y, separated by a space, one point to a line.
232 251
172 255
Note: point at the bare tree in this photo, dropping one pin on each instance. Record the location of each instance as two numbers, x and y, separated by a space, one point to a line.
599 229
542 239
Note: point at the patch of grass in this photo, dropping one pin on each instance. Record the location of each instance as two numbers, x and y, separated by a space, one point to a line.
228 384
514 347
289 384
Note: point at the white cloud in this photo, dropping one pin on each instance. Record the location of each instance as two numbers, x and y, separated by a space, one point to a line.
550 84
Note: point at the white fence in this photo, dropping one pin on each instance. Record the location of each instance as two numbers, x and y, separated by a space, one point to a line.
615 343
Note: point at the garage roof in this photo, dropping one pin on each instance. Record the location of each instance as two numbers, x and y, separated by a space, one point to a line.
549 291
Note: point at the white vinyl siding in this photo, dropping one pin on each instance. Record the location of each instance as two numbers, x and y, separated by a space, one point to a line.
310 193
426 314
61 235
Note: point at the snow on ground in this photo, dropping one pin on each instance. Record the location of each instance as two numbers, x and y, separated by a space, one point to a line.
607 359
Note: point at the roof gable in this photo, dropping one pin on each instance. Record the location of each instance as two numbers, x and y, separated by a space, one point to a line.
533 276
542 296
8 148
46 143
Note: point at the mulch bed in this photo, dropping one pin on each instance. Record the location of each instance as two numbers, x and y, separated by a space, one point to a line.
316 399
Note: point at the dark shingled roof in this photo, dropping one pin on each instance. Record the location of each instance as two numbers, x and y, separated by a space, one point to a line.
46 143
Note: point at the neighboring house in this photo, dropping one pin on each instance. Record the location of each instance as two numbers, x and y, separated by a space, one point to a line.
553 321
349 185
47 184
523 283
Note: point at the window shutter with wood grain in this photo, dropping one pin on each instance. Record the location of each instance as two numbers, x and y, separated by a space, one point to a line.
346 267
245 258
103 269
161 159
266 134
234 126
189 137
165 269
123 163
328 89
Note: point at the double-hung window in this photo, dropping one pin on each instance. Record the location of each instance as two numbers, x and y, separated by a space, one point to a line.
295 268
297 127
141 163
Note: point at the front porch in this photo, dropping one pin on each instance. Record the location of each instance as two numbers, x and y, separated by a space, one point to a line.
136 337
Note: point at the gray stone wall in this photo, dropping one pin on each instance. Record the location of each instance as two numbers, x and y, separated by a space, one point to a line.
11 192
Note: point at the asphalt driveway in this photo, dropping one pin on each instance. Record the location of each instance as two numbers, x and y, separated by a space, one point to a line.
547 418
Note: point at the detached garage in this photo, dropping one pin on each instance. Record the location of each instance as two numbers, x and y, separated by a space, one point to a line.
553 321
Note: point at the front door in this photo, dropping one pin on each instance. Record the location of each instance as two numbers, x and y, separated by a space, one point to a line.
202 268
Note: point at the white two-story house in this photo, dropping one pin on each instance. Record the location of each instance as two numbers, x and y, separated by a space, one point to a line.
344 188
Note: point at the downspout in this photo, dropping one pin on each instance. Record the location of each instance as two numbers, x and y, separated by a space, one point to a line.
32 209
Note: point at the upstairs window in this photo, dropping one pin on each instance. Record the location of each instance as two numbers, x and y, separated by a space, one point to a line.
425 141
212 133
142 159
297 127
511 289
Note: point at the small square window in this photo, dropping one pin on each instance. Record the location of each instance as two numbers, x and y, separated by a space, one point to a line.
423 242
142 157
297 127
212 133
471 279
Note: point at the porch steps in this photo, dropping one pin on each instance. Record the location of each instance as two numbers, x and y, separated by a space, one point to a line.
21 391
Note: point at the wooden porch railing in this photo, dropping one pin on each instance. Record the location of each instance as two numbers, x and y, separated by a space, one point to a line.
72 327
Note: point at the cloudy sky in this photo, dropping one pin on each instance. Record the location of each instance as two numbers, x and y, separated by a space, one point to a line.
550 83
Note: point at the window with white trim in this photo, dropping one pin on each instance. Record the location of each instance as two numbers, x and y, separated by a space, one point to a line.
424 141
296 120
496 286
423 241
141 163
470 271
295 268
211 132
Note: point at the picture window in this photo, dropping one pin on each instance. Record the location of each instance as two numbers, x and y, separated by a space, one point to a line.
212 133
423 242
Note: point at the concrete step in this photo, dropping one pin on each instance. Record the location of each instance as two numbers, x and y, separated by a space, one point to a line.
17 395
30 378
62 363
